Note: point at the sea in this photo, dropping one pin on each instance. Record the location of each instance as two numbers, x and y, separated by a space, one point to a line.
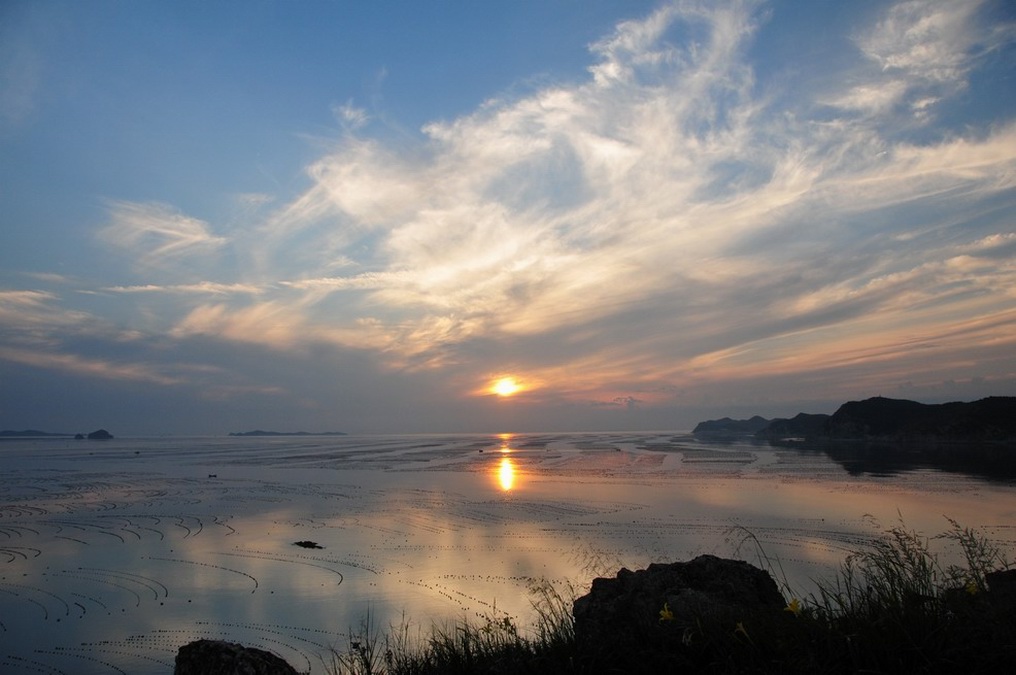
113 554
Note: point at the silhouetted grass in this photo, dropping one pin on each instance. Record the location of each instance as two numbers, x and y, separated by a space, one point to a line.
493 646
891 608
894 608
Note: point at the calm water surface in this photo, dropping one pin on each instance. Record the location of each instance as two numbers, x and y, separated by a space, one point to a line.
113 554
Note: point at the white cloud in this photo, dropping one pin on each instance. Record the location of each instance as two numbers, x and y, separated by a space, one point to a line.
90 367
22 298
157 233
559 208
351 116
253 200
924 50
204 287
876 98
925 39
654 225
271 323
49 277
367 280
31 310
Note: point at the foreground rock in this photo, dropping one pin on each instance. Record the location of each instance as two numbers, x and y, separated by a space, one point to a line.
215 657
620 613
1002 587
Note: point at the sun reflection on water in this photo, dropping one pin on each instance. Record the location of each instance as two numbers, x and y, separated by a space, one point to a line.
506 474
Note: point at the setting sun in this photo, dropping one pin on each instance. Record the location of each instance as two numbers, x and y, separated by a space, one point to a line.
506 386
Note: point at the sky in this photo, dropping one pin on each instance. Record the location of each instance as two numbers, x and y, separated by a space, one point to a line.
515 215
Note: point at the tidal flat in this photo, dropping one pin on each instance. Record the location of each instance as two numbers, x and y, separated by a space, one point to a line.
115 553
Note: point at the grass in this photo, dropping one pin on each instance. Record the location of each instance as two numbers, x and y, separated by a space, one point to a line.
892 607
493 646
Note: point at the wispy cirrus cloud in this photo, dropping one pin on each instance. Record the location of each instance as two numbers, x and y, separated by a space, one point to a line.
158 233
662 226
929 41
24 298
661 191
203 288
88 367
31 310
923 51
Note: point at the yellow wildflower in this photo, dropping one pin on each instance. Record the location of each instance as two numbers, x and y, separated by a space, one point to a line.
972 588
665 613
794 607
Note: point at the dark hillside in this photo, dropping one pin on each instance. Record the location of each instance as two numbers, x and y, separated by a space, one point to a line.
989 419
731 426
802 425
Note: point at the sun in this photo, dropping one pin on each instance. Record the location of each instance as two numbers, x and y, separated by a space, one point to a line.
506 386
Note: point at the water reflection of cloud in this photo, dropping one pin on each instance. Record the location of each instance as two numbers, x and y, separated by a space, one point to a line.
438 537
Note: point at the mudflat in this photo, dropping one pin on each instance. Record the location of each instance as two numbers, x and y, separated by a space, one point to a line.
115 553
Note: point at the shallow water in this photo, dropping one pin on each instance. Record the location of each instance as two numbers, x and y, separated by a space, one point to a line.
113 554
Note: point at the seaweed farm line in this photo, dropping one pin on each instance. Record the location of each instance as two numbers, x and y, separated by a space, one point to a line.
113 554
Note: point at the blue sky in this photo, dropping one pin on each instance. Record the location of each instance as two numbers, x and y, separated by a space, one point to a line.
360 216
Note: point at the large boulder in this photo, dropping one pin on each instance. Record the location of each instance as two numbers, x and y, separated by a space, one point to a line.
216 657
634 606
1002 587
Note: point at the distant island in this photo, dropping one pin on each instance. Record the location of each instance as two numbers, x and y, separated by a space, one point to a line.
100 434
802 425
991 419
259 432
